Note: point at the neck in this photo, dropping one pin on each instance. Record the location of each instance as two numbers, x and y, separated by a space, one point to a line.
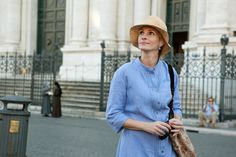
149 59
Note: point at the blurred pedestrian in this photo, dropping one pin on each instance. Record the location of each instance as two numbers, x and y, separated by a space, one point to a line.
46 107
56 106
209 114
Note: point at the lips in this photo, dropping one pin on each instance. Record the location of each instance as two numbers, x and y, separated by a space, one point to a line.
143 43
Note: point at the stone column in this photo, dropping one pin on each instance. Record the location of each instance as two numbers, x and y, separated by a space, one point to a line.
76 24
193 22
102 22
108 29
29 27
216 21
211 21
94 22
142 9
199 15
79 23
125 13
10 28
159 8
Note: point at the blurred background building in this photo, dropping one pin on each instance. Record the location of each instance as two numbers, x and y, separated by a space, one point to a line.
78 27
75 29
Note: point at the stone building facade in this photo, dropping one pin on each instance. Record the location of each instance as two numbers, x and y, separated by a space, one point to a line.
84 24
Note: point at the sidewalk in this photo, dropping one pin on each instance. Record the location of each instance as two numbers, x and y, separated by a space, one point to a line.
82 137
227 128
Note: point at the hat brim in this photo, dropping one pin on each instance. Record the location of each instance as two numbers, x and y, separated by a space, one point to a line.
134 33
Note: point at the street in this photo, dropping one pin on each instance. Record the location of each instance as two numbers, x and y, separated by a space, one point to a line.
77 137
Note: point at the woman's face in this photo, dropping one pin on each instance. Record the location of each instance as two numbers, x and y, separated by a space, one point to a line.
149 39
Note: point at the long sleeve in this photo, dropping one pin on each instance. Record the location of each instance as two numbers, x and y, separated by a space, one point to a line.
176 100
116 102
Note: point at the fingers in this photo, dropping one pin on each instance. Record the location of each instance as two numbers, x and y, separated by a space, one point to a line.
175 131
158 128
160 131
163 128
176 123
167 125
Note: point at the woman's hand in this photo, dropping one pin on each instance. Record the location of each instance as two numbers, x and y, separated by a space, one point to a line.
176 125
157 128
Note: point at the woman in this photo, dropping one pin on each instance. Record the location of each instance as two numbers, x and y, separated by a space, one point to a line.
46 107
140 94
56 107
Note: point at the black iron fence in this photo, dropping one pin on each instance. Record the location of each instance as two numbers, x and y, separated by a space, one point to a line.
201 75
24 74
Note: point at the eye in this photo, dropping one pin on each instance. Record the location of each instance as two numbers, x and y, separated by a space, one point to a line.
141 32
151 33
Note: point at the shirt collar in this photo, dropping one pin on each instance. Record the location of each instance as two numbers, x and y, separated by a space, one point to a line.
149 69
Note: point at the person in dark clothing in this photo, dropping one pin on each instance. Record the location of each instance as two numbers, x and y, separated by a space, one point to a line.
56 106
46 107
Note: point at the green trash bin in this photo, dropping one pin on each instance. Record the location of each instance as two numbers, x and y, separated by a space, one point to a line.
14 119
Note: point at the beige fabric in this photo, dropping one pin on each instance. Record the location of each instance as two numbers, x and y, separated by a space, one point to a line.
204 121
159 25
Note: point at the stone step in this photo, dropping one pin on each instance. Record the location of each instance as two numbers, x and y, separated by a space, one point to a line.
73 112
76 105
80 96
80 101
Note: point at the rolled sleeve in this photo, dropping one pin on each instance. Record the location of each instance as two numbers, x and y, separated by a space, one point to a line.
115 112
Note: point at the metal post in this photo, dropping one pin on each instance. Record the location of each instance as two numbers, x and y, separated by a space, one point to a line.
224 41
116 60
203 76
32 76
232 82
186 84
15 70
101 108
128 55
24 74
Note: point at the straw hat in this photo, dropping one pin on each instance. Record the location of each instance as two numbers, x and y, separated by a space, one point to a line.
159 25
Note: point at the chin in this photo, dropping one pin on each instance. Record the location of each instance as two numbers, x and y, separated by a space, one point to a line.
146 49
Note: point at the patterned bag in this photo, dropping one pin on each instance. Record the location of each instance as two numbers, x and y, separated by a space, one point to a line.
181 142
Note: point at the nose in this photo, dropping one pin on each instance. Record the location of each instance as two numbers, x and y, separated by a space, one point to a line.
143 36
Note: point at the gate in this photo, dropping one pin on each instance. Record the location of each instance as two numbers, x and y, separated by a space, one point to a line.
200 76
24 74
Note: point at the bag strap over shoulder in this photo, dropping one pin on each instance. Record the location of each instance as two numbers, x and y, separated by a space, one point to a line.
172 81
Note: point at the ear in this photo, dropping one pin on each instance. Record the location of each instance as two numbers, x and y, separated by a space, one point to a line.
161 43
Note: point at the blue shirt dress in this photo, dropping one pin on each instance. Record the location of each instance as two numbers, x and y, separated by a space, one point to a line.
141 93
